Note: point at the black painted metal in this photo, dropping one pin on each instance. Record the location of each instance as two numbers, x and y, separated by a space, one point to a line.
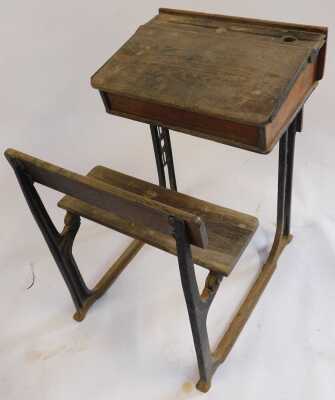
289 173
282 180
197 306
285 174
163 155
158 156
299 119
169 158
60 245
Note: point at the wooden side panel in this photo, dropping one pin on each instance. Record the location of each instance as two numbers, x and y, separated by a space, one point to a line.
296 98
97 193
212 128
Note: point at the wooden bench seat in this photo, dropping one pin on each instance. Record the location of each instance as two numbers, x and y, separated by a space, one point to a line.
194 230
229 232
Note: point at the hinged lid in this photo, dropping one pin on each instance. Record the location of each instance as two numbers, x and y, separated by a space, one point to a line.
234 80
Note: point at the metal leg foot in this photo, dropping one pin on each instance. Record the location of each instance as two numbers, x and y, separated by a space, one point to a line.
203 386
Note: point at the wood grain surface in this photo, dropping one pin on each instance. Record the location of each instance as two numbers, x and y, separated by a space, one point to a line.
229 232
219 77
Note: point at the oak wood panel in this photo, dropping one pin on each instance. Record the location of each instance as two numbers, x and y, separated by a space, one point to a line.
218 77
213 128
125 204
229 232
301 90
244 21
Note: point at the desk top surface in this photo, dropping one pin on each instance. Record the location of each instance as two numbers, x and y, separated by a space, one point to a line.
223 78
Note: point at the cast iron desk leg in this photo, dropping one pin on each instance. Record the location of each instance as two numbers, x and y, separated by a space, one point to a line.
198 305
60 246
163 154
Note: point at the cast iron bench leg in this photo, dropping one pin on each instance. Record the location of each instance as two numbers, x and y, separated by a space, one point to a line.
60 246
198 305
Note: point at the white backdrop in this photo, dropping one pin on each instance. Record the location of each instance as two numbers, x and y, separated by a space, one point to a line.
136 341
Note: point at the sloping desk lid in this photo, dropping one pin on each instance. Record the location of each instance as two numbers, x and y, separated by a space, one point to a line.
233 80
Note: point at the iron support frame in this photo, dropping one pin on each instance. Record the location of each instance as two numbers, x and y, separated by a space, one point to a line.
198 304
61 244
163 154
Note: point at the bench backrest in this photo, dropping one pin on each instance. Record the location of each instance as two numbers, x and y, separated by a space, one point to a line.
131 206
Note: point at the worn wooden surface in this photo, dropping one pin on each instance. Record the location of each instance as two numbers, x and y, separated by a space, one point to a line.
229 231
218 77
125 204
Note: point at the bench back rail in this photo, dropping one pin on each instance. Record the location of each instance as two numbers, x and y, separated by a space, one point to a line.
131 206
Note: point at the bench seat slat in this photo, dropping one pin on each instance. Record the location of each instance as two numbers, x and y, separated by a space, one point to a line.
229 232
